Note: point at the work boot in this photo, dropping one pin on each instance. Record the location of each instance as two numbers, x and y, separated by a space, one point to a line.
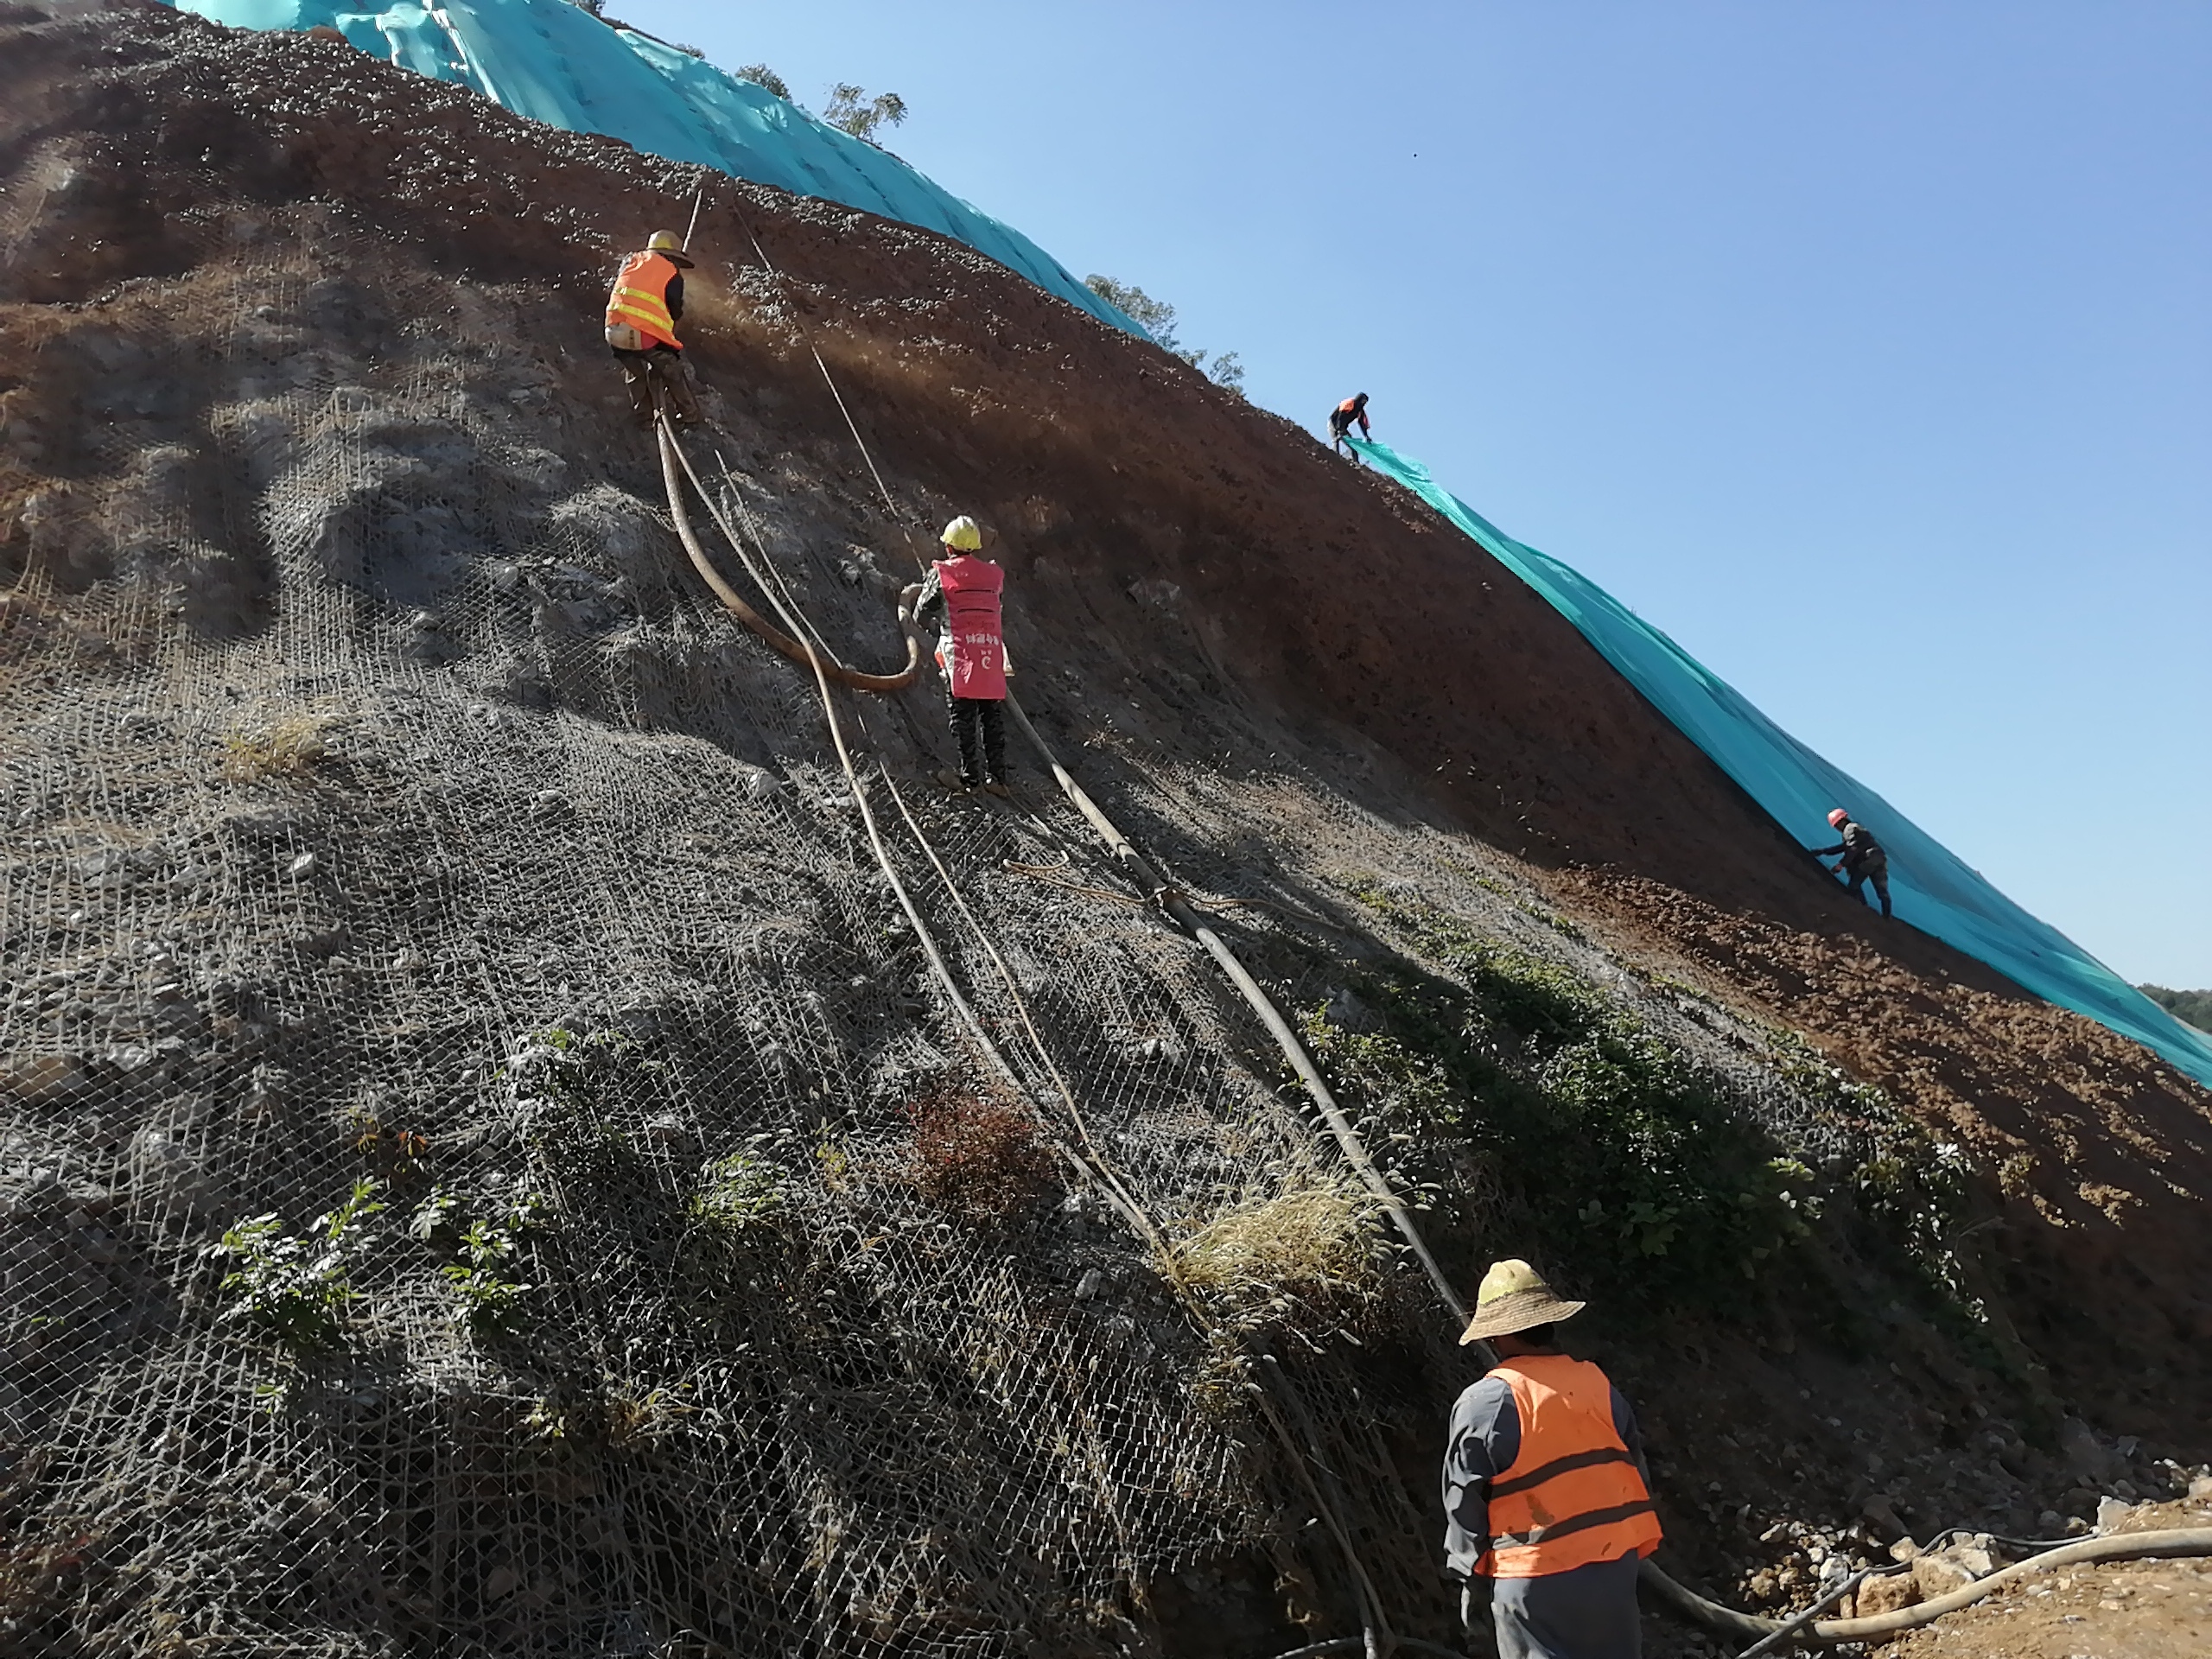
676 390
999 787
953 781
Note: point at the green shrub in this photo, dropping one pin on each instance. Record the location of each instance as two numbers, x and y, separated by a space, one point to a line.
1632 1163
291 1288
487 1275
737 1196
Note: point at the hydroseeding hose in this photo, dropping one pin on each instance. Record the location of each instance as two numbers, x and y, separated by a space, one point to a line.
1378 1639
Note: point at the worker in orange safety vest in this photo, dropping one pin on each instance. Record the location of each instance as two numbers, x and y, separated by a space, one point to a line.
1547 1500
642 310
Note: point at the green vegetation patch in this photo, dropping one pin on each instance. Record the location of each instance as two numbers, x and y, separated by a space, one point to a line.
1631 1162
293 1288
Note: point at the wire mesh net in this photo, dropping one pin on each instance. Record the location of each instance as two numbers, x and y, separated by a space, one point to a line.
460 1180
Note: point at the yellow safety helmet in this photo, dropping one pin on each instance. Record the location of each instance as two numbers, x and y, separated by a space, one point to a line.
667 242
962 534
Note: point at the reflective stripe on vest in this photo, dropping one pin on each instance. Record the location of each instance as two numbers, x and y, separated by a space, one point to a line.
973 654
1573 1495
641 297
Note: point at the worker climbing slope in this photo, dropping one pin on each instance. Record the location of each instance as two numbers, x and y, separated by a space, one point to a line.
961 593
1341 418
1863 861
1547 1501
642 311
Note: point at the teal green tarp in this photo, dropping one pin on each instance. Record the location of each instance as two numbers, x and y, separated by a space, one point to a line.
1932 889
556 63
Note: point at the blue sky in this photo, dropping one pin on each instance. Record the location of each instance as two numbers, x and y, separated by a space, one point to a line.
1867 349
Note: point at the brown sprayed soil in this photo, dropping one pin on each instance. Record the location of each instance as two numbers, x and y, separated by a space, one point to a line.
2126 1610
1164 541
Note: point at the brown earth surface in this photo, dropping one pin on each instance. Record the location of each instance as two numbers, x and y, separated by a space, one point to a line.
1197 585
2127 1609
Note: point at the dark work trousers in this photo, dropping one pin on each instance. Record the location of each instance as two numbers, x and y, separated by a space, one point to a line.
657 376
1878 874
1585 1612
968 715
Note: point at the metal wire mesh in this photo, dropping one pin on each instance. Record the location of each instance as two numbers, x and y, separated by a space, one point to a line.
357 733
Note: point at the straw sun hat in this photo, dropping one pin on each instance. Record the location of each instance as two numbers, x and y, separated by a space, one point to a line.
1514 1297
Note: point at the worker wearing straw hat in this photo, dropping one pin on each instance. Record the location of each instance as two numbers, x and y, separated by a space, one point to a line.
1547 1503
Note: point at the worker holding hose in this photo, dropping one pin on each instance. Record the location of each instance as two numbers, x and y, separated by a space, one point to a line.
642 312
961 593
1547 1501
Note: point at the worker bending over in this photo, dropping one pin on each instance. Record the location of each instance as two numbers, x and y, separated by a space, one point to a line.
1352 409
1863 861
641 317
1547 1502
962 593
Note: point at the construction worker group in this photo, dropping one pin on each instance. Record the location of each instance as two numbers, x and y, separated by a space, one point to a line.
962 591
1546 1497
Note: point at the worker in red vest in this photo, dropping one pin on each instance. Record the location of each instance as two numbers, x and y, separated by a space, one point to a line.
641 315
1352 409
1547 1501
962 593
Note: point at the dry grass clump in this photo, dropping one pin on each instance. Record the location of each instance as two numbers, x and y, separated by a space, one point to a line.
291 748
979 1156
1312 1256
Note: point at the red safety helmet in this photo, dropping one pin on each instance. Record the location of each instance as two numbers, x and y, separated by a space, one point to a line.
1837 817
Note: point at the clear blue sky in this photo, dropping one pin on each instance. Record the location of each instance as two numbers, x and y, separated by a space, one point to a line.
1866 348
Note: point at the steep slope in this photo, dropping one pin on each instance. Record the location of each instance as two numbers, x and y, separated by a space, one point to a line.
387 801
563 65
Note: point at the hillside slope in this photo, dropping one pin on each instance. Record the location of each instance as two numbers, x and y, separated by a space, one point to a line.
388 801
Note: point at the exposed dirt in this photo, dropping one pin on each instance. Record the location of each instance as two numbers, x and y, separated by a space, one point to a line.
2129 1610
1193 578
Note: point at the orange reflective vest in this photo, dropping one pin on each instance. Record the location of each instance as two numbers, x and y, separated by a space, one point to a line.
640 298
1573 1496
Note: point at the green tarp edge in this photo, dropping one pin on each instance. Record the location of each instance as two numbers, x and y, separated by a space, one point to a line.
1934 889
554 63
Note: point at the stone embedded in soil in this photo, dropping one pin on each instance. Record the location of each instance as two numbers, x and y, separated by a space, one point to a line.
1886 1594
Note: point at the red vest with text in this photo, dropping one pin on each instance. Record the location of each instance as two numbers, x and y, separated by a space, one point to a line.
973 654
1573 1496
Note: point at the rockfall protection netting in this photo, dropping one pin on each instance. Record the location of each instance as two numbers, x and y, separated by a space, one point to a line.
386 803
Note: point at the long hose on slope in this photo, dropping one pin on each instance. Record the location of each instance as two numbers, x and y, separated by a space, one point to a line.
1378 1640
779 642
1685 1601
1710 1614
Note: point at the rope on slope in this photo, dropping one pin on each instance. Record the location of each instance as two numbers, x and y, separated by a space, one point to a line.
1378 1639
